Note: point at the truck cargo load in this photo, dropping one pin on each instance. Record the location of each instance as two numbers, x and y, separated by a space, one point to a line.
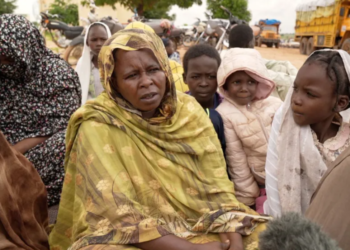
323 24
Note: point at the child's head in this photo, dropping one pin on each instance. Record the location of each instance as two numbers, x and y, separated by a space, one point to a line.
201 63
97 36
321 89
169 46
241 36
241 87
243 76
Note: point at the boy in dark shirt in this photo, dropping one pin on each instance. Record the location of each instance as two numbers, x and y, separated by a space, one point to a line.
201 63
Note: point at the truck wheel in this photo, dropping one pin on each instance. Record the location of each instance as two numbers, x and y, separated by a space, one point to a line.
277 45
346 45
269 45
303 45
260 42
310 46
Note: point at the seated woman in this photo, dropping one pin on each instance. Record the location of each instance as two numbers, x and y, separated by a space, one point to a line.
23 202
39 92
308 133
144 167
87 67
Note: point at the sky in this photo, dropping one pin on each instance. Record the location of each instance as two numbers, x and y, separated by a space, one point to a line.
283 10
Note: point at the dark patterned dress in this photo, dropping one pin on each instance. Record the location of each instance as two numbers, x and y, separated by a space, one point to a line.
39 92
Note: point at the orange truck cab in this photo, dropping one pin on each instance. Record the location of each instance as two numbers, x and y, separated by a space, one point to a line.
321 25
269 33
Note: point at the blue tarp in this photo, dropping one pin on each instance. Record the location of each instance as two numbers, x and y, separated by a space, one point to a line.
270 21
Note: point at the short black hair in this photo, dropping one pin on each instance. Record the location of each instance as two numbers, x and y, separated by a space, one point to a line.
241 36
198 51
335 69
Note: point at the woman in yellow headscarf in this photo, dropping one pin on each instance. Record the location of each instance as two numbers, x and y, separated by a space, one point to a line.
144 167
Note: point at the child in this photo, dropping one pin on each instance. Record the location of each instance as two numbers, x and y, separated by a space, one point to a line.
308 132
171 50
247 112
87 67
201 63
283 73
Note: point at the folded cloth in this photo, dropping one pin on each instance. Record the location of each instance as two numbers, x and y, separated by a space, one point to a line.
23 202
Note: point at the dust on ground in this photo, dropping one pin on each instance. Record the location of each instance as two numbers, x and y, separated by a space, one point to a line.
281 54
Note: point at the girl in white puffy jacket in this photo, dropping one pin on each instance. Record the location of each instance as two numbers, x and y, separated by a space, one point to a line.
247 112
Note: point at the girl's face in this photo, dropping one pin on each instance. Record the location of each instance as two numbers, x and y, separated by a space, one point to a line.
97 37
170 49
314 99
241 88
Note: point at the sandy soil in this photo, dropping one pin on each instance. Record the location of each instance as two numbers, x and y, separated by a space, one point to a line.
281 54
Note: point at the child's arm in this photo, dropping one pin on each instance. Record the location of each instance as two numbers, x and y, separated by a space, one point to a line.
239 171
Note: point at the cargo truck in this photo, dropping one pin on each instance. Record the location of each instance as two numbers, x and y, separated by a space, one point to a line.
323 24
269 33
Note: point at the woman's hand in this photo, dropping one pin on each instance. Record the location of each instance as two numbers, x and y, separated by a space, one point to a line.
235 240
29 143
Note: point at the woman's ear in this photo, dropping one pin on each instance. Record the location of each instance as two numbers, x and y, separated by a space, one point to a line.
343 103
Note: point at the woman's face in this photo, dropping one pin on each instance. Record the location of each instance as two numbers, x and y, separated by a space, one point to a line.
139 78
241 87
97 37
314 96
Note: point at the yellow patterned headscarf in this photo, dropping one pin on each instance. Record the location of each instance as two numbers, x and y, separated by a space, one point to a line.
131 39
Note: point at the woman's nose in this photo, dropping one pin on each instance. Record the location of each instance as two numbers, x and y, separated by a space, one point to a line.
145 80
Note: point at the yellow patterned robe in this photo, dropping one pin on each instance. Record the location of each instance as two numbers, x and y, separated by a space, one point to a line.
130 180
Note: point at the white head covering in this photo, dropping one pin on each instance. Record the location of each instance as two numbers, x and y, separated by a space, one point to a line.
294 165
84 64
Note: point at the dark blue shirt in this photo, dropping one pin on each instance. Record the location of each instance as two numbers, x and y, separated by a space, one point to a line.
216 119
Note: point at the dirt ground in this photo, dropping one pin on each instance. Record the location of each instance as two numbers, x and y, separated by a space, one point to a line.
281 54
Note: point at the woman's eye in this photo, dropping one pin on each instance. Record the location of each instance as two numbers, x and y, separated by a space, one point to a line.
295 89
194 77
131 76
154 70
251 83
236 82
212 77
310 94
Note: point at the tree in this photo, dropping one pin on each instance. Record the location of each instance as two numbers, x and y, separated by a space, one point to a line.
7 6
69 12
160 10
144 5
238 8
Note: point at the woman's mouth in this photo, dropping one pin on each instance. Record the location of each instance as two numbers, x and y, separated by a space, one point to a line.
148 96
